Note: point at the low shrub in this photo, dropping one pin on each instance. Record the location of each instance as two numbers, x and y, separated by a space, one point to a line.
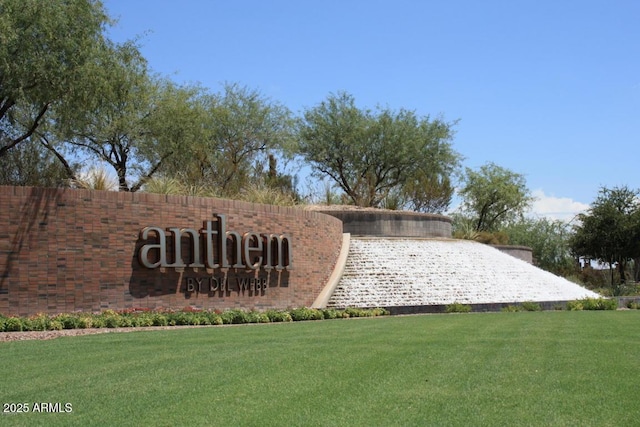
600 304
38 322
278 316
68 321
593 304
575 305
188 316
330 313
13 324
305 313
511 309
457 307
633 305
234 316
531 306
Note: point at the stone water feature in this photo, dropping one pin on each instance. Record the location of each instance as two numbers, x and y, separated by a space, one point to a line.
398 259
390 272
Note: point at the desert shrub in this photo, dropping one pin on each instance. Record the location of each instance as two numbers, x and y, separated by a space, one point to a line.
457 307
575 305
531 306
492 238
633 305
600 304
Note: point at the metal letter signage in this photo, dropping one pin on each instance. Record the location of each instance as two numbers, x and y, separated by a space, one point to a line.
213 246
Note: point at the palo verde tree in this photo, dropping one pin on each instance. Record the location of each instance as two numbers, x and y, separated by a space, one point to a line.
243 130
29 163
371 155
135 121
610 231
493 197
44 48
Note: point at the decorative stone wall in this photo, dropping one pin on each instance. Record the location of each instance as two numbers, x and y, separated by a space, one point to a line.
389 223
64 250
524 253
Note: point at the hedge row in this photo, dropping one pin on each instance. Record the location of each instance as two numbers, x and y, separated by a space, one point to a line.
140 317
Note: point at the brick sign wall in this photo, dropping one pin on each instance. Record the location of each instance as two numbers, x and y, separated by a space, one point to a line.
65 250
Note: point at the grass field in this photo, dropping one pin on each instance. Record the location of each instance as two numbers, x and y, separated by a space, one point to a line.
527 368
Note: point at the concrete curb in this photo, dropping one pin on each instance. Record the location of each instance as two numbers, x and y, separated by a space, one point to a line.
323 299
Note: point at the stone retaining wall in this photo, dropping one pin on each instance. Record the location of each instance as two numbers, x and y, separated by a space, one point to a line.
384 223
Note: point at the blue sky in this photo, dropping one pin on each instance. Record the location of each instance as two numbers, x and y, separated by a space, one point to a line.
546 88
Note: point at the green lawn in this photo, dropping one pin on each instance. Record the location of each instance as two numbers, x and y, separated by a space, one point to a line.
527 368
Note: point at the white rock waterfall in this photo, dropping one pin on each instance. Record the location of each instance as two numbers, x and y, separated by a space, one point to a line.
389 272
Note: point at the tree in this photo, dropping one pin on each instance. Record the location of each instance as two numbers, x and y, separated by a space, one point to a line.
371 155
29 163
135 121
44 48
549 241
493 197
610 231
242 130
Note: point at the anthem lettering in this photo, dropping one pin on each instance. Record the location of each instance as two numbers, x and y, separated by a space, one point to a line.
213 246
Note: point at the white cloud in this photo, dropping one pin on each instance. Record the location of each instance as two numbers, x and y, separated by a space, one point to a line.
562 208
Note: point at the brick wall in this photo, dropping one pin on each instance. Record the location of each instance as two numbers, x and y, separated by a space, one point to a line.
65 250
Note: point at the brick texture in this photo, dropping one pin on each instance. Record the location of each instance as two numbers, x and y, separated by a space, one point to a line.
64 250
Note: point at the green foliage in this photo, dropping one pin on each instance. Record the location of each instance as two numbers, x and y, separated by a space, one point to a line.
305 313
511 309
610 232
242 133
45 51
234 316
633 305
593 304
493 197
370 155
137 317
531 306
548 240
330 313
457 307
29 163
38 322
68 321
13 324
278 315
